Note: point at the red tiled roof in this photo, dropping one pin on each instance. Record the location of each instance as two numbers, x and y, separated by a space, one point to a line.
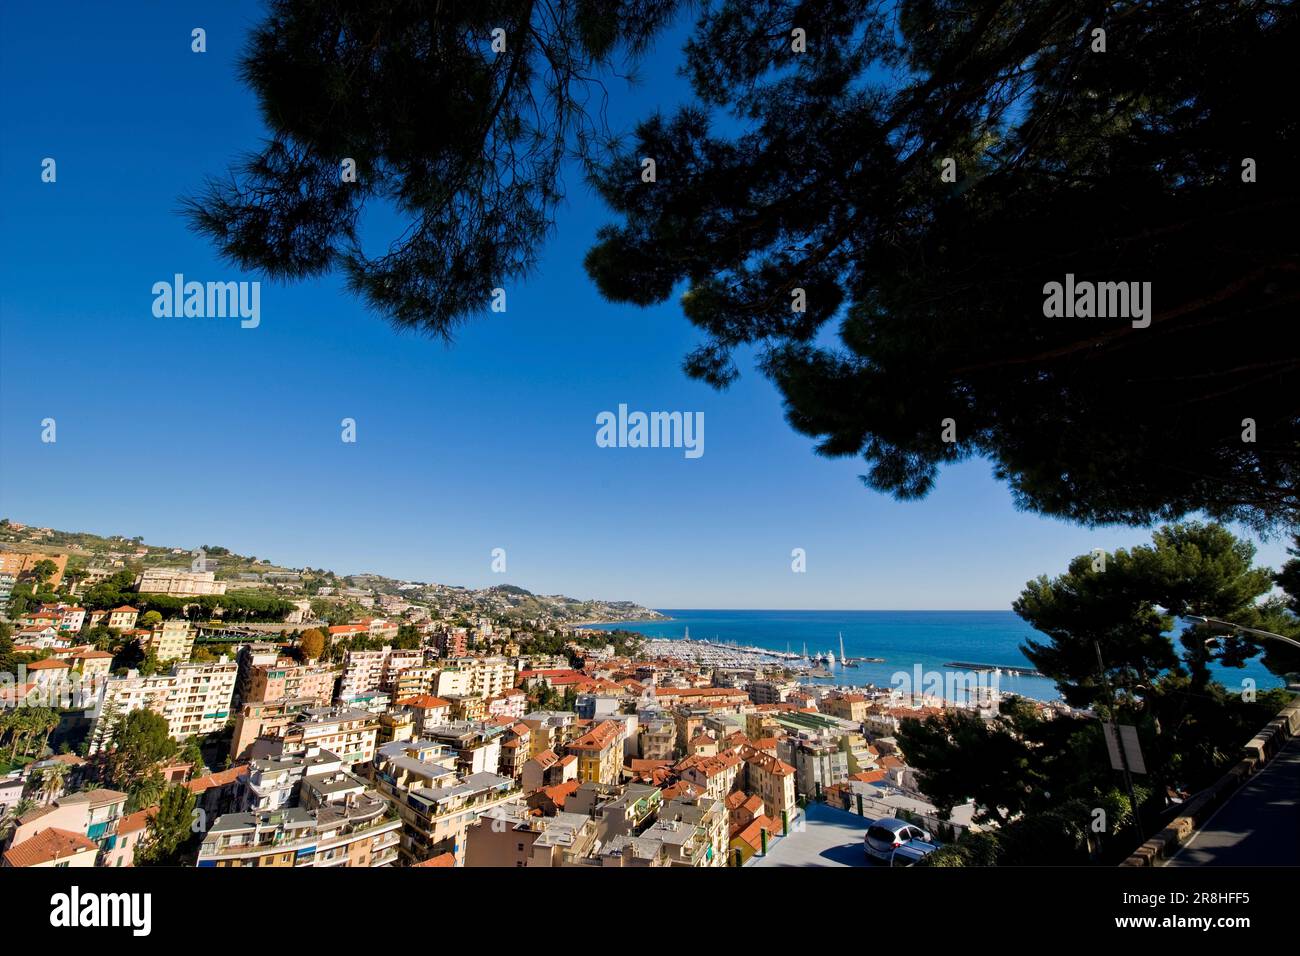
423 702
441 860
870 776
598 738
136 821
218 779
48 846
752 834
560 792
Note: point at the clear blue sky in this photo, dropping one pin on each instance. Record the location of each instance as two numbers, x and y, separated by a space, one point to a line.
193 431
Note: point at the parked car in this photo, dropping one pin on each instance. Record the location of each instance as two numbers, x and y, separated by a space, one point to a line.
912 852
887 834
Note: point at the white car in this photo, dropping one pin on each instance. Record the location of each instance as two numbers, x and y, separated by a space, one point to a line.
912 852
886 835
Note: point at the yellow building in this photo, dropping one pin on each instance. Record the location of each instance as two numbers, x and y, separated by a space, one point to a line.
599 753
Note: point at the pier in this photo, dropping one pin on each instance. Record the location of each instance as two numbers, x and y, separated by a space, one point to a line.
1008 668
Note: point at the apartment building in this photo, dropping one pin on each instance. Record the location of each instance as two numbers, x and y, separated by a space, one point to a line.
193 698
618 809
511 702
346 731
426 712
89 814
475 677
691 830
266 718
273 783
451 642
656 737
356 831
509 835
551 729
365 672
123 618
250 657
288 679
436 803
818 761
851 707
19 563
772 780
171 641
515 744
177 582
477 745
599 753
94 665
710 697
415 681
771 691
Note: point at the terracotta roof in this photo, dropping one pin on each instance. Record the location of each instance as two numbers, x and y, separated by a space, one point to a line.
769 763
752 834
870 776
639 764
219 779
133 822
560 792
680 789
598 738
48 846
423 702
99 797
441 860
46 665
546 758
72 760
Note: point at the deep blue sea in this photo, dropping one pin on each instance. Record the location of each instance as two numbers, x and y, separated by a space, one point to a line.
903 638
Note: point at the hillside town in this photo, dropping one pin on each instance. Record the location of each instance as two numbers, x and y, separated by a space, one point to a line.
150 720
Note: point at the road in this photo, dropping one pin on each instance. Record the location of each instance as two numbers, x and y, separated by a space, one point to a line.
1258 826
829 837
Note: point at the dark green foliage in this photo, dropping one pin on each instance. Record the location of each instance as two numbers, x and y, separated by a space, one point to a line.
463 143
1041 780
170 831
140 744
1131 608
1115 166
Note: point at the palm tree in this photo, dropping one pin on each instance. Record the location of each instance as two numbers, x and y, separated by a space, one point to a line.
52 780
20 726
8 726
48 720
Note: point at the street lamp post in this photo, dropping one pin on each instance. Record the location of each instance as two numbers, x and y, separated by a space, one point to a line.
1111 728
1216 624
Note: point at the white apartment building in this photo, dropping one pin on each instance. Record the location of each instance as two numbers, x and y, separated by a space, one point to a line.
179 583
173 641
368 671
193 698
476 677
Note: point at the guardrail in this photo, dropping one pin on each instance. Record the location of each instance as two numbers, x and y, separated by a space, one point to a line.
1256 754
